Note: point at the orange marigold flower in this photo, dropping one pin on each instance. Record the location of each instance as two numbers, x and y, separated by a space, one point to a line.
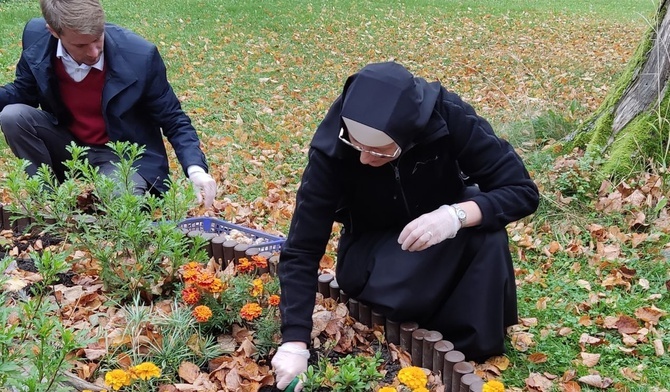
202 313
190 295
192 265
205 279
117 379
190 276
259 261
257 288
250 311
273 300
244 265
217 286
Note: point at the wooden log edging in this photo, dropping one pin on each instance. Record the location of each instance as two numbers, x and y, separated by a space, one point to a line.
427 348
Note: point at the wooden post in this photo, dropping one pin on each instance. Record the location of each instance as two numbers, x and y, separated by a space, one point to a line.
353 308
240 251
273 263
406 330
392 331
217 249
467 380
441 347
450 359
429 341
459 370
417 346
334 290
364 314
229 251
378 319
324 284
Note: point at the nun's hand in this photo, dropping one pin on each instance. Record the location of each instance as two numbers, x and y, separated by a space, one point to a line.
430 229
290 361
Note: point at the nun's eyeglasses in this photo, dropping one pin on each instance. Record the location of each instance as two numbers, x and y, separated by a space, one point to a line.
373 153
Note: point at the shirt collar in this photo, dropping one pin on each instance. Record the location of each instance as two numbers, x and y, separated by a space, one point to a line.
62 54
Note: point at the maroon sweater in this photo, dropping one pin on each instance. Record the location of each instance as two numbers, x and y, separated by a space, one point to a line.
84 101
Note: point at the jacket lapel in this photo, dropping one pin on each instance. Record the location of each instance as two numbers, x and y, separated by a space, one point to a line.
119 75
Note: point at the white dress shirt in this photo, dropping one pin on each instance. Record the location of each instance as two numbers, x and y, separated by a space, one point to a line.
77 71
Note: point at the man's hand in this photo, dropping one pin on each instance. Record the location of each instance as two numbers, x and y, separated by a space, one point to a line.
430 229
290 361
203 184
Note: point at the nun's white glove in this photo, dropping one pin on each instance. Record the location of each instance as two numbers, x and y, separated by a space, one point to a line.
290 361
430 229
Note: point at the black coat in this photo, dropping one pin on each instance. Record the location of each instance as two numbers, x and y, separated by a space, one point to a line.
443 141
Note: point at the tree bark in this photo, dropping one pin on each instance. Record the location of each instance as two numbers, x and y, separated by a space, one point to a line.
649 84
630 126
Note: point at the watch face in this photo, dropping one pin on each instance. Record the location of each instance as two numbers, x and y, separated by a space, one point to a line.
460 214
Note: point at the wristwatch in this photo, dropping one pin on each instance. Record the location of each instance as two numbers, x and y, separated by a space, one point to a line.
460 213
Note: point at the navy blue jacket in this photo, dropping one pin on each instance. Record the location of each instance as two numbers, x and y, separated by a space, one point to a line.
137 99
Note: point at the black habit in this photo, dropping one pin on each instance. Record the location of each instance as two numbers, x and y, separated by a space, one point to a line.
463 287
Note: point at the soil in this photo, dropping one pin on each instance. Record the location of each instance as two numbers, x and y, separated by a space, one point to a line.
389 365
28 264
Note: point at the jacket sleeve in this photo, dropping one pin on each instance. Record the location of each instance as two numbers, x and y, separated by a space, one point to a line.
311 226
508 192
24 88
164 107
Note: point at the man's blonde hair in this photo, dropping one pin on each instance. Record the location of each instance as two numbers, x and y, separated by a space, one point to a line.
83 16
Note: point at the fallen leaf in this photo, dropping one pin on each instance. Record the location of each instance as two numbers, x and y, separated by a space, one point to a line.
188 371
590 360
596 380
537 358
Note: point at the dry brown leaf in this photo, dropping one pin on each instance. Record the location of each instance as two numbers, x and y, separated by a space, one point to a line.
188 371
627 325
537 358
522 341
650 314
570 386
630 374
538 382
589 359
596 381
501 362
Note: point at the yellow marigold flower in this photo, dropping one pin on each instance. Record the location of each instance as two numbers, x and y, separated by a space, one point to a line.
273 300
202 313
493 386
422 389
244 265
117 378
145 371
190 295
257 288
205 279
217 286
413 377
387 389
259 261
250 311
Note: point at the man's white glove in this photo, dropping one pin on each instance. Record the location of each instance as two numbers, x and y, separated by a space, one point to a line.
203 184
430 229
289 361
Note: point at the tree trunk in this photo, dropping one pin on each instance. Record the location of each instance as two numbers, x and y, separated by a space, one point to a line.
632 126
